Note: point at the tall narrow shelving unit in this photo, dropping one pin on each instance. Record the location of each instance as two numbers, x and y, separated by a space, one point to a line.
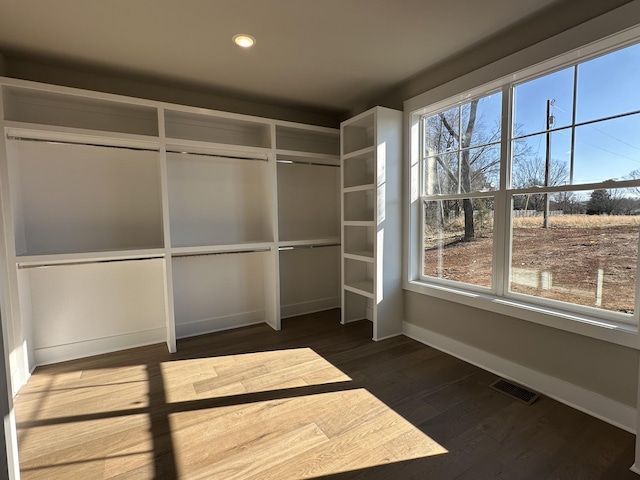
308 162
371 152
127 222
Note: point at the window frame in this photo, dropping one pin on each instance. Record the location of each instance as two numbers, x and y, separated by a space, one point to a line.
598 323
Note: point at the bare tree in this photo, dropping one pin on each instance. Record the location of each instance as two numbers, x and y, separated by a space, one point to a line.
529 171
453 166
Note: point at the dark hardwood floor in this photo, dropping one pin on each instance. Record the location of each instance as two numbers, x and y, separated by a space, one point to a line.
315 400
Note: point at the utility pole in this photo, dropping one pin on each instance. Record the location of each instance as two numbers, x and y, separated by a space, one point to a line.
547 163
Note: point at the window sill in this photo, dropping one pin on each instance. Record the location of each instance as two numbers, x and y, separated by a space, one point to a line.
605 330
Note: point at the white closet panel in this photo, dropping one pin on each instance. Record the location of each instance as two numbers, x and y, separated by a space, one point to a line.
308 201
308 280
216 292
78 198
84 309
214 200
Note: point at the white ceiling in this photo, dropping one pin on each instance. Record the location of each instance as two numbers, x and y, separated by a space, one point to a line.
322 53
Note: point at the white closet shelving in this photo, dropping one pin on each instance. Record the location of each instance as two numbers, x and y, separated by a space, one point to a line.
128 222
371 220
308 172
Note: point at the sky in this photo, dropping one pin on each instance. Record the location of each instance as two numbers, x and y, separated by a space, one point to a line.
607 86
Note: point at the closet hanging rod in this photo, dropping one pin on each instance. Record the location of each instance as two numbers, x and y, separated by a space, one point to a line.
301 162
217 155
88 262
207 254
296 247
86 144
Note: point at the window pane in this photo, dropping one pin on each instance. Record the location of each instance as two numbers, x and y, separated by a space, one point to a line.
484 169
529 159
608 149
455 249
486 127
442 132
442 174
580 259
530 102
608 85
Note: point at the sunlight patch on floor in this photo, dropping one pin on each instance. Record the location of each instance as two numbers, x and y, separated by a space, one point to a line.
300 437
215 377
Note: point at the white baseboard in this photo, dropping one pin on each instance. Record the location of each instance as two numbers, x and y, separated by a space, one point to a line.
87 348
211 325
587 401
313 306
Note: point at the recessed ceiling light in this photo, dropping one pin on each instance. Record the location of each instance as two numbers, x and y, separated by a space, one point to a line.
243 40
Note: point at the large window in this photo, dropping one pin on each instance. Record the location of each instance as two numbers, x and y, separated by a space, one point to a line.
530 190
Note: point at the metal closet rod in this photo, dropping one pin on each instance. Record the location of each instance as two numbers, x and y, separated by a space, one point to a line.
315 164
296 247
208 254
88 262
87 144
217 155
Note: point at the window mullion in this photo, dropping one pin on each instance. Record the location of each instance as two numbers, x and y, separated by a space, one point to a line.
502 211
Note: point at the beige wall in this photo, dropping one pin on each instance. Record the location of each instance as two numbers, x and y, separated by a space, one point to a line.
601 367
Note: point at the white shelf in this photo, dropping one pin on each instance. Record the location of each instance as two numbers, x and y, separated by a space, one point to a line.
225 248
362 153
359 223
307 158
88 257
362 256
362 287
360 188
313 242
79 135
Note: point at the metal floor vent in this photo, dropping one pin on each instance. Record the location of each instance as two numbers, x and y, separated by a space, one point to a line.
514 391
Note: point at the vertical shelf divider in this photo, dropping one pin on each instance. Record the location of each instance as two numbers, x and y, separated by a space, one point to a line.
166 230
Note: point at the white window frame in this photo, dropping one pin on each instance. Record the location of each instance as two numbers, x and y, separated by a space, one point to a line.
515 69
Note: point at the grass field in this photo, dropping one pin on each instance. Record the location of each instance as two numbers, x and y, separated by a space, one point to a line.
583 259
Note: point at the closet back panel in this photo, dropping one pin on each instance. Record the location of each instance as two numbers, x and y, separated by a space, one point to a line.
308 201
49 108
208 128
309 280
95 304
216 292
298 139
217 200
77 198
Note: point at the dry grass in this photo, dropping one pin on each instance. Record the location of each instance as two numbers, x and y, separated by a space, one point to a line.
579 221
